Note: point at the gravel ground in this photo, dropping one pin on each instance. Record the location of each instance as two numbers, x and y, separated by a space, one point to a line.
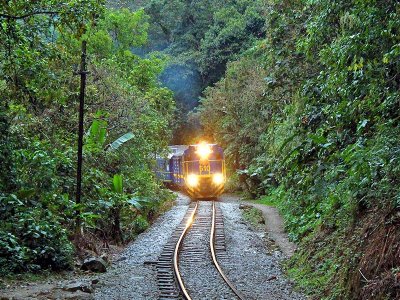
134 275
248 265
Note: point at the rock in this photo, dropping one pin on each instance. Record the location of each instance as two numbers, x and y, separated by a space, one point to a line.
122 258
244 206
73 287
87 289
104 257
78 286
95 281
78 295
94 264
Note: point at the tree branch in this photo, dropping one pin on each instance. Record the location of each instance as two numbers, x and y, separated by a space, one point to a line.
29 15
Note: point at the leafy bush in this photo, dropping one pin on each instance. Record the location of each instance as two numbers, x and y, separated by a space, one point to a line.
31 238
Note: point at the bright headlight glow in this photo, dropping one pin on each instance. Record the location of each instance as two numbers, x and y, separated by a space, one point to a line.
192 180
203 150
218 178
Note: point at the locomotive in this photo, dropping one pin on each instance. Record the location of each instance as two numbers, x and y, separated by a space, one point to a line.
199 169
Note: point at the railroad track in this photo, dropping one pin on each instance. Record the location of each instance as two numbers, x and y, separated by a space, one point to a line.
190 259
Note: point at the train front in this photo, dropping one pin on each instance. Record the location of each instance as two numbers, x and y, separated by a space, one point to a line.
204 170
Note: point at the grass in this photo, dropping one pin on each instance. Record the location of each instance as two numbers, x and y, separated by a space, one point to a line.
253 216
269 200
13 279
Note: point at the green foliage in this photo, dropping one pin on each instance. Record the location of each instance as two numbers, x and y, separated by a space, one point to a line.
206 32
6 145
234 29
97 134
31 239
140 224
308 116
200 37
117 31
117 184
39 53
254 216
126 28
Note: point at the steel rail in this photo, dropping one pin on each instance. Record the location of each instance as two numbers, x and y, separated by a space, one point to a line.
214 257
176 254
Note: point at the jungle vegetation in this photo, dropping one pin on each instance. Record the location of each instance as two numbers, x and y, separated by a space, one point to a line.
303 95
40 50
200 37
309 118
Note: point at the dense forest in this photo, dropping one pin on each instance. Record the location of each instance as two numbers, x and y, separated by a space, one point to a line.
309 117
303 96
200 37
40 51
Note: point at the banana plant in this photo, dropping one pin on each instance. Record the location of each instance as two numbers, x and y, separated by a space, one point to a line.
117 186
97 135
120 141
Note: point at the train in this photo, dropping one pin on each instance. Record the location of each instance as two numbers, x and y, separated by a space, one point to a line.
198 169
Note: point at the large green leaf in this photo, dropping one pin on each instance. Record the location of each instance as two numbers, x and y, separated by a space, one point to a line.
120 141
117 184
98 132
137 202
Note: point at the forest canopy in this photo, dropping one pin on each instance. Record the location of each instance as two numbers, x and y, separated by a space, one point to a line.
200 37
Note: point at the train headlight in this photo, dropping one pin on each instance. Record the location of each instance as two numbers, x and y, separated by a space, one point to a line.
203 150
218 178
192 180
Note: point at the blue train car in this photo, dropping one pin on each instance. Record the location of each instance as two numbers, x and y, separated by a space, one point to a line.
169 169
199 169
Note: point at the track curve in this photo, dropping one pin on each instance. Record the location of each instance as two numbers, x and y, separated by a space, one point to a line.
176 254
212 249
214 257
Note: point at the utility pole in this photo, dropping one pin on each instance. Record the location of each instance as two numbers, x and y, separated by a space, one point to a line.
82 72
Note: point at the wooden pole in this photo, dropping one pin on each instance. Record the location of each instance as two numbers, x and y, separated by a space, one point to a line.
83 72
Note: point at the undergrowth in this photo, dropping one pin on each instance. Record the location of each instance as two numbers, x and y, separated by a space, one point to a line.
253 216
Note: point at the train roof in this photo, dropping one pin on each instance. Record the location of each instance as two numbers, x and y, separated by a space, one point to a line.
195 145
177 150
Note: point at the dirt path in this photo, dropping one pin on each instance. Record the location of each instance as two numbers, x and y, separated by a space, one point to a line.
273 223
275 228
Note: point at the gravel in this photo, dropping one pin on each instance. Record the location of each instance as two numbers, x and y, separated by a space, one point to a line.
134 275
253 269
248 265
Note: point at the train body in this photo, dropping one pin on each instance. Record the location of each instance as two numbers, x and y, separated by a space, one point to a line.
199 169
